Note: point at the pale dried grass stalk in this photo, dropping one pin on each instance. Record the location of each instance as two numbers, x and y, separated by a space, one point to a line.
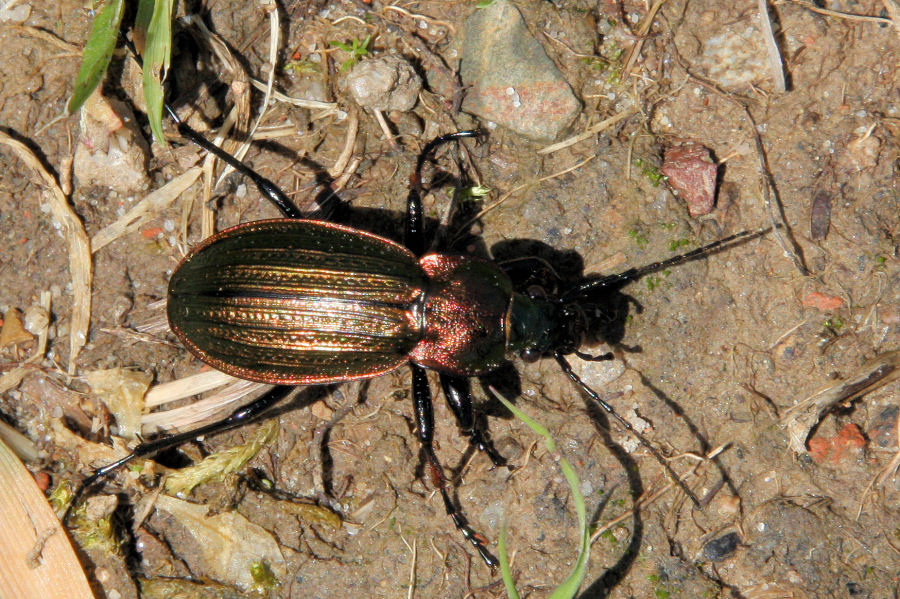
201 412
772 47
79 247
802 417
590 131
147 209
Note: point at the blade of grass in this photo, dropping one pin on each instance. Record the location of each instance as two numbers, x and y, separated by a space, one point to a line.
97 52
157 55
570 586
505 572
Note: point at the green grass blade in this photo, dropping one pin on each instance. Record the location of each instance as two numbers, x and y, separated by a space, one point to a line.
569 587
97 52
157 55
505 572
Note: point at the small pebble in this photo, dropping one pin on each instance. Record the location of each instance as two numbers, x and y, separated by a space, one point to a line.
721 547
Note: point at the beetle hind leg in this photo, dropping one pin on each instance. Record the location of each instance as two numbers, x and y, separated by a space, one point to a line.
425 433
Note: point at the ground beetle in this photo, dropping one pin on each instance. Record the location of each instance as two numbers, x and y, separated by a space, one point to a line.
294 301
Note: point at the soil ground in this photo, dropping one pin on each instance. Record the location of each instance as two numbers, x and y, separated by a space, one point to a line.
717 351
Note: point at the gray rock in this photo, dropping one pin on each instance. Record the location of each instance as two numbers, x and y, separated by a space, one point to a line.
386 84
512 81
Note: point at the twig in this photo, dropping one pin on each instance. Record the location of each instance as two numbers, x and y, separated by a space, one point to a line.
648 498
148 208
840 15
389 136
510 193
801 418
299 102
431 20
350 142
772 201
587 133
635 50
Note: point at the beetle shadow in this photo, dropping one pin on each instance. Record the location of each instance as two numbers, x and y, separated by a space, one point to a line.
531 263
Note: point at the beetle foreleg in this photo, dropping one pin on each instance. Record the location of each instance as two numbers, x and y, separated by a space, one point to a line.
459 398
425 433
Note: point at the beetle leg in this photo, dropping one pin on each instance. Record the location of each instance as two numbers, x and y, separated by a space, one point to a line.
266 188
459 398
238 417
415 222
425 432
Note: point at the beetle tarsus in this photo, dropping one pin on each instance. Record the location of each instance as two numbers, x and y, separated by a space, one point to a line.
567 369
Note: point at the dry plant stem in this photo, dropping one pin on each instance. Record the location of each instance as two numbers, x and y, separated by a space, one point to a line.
510 193
298 102
801 418
772 46
421 17
388 135
19 444
893 9
350 142
590 131
147 209
841 15
188 386
207 209
774 207
411 584
79 247
648 498
635 50
201 412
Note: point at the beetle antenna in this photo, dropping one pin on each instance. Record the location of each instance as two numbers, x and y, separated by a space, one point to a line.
585 289
567 368
266 188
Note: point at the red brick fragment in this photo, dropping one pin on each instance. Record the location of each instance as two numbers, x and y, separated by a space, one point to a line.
692 173
836 449
822 302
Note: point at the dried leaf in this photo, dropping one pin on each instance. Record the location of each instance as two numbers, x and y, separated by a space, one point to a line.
123 393
13 331
227 544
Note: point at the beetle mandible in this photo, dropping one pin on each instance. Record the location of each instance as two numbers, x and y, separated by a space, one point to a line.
295 301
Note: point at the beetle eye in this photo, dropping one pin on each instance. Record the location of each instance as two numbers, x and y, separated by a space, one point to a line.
536 292
530 355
